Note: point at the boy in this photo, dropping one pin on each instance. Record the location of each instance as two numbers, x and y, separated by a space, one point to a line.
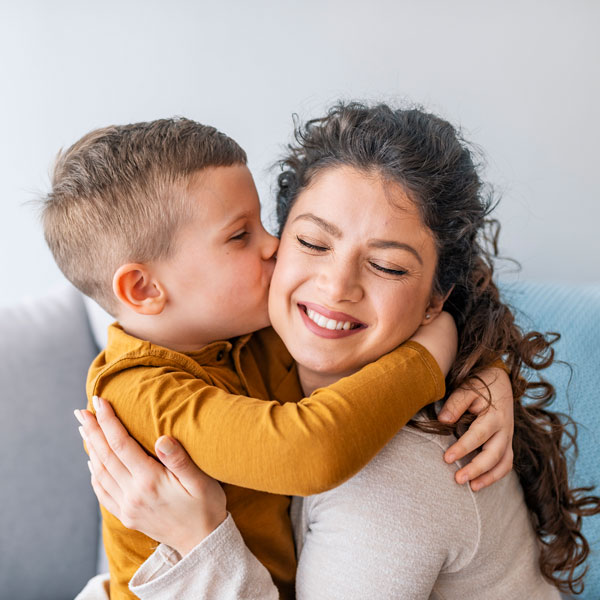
160 223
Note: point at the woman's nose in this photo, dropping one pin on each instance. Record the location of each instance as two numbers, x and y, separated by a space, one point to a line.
340 283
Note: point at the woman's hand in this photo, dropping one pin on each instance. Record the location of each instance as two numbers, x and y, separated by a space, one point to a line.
492 430
178 505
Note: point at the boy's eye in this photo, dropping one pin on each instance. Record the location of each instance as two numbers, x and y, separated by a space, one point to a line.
240 235
395 272
310 246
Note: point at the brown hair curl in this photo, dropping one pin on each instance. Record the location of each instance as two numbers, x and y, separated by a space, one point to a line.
436 167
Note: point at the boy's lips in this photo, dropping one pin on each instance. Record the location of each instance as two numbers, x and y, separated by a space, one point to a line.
328 323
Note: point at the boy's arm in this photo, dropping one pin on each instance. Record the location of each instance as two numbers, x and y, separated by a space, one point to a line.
294 448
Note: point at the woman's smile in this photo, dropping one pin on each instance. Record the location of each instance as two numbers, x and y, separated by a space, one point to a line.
328 323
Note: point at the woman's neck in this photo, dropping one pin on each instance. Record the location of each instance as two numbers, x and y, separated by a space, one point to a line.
311 380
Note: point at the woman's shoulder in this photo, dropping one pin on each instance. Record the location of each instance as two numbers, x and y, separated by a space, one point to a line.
409 474
405 498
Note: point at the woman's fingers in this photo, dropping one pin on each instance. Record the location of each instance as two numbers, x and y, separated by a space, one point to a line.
107 481
494 451
96 442
122 445
103 496
177 460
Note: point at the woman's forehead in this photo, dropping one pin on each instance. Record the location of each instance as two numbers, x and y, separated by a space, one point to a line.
343 190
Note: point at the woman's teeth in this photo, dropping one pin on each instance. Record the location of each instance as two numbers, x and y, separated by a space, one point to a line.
326 323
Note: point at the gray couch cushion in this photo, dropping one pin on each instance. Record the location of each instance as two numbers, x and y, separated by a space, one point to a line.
49 516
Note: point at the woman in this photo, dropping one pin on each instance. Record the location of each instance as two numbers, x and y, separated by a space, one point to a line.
379 207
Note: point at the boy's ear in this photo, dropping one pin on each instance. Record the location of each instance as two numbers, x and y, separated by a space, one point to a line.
435 306
136 288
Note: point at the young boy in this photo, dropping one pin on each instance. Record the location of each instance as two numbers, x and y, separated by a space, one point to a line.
159 222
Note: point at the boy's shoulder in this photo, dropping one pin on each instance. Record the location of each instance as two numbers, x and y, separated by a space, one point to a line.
126 355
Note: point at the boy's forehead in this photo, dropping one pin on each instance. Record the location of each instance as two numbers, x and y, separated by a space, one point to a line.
222 193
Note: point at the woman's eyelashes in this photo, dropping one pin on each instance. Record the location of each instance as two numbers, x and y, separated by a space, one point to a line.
388 271
310 246
317 248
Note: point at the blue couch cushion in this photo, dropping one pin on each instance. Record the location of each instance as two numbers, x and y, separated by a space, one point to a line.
574 312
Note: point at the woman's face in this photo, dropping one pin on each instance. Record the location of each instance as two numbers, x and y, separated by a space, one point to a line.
353 276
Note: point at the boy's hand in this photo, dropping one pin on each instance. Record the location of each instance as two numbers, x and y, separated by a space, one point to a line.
492 430
440 337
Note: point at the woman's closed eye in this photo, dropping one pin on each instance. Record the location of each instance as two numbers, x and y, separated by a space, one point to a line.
388 271
310 245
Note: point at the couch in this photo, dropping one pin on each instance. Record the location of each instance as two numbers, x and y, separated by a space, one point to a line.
49 526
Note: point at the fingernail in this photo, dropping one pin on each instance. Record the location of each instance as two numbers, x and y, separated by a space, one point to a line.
165 445
89 464
82 433
445 415
475 486
450 458
462 478
79 416
95 403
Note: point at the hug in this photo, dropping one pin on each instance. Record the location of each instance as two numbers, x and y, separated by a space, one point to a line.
306 394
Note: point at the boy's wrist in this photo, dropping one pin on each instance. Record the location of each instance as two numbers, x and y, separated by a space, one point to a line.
440 339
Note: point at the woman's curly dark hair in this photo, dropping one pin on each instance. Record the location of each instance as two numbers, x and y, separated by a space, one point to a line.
429 158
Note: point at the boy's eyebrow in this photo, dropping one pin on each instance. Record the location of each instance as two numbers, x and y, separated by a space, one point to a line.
235 219
326 225
379 244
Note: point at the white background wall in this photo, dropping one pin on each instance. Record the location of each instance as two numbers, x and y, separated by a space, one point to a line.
521 77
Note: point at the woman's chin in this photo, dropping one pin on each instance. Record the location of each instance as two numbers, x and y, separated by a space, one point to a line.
325 367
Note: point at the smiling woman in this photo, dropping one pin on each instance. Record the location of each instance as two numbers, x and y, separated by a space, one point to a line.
362 256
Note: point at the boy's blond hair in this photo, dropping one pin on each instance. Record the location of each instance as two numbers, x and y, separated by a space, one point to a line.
119 195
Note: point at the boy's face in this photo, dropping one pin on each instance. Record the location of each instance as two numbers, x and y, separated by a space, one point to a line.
218 278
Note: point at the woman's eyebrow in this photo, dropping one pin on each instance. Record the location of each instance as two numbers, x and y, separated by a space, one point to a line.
326 225
385 244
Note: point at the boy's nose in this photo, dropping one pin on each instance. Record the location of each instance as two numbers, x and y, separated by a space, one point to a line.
270 245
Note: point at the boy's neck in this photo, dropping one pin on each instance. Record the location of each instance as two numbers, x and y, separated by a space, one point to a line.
152 331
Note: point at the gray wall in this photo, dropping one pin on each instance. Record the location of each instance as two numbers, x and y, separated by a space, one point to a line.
520 77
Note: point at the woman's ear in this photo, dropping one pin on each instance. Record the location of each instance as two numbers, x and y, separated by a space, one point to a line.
435 306
136 288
